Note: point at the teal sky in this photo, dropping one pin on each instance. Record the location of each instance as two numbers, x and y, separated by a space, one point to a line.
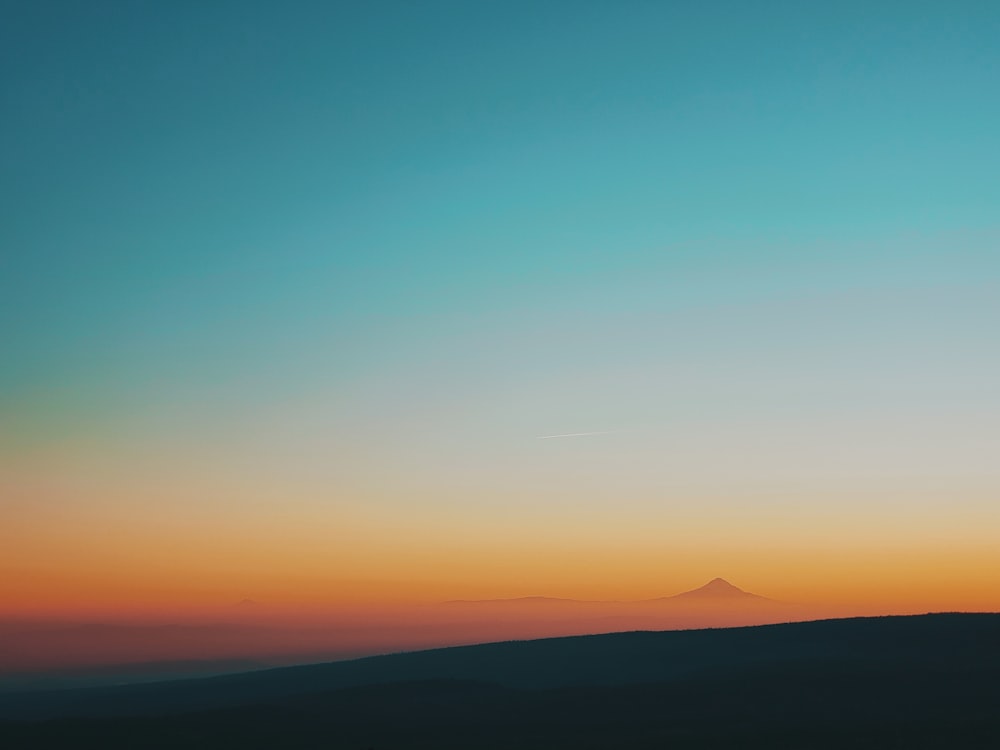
389 244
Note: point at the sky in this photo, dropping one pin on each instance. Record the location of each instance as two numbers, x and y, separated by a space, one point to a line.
291 293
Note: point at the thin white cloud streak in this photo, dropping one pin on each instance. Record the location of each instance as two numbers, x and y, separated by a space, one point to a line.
575 434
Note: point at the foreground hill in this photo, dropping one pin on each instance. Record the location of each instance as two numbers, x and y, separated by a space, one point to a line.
923 681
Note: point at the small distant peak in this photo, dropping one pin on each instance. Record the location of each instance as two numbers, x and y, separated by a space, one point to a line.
717 588
720 584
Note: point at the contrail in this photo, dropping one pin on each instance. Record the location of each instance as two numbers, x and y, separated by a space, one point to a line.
575 434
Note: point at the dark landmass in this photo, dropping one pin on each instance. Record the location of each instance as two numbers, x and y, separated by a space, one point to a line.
119 674
907 682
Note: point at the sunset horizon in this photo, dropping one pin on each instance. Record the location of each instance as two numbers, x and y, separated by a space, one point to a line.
333 330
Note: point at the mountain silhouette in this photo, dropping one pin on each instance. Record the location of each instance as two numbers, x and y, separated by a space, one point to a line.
718 589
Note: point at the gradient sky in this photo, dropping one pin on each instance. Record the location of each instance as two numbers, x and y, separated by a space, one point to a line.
289 292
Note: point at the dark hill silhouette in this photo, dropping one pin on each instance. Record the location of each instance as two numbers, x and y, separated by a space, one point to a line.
118 674
914 682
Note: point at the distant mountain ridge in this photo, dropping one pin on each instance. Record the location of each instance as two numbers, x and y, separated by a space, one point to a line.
527 600
57 654
716 590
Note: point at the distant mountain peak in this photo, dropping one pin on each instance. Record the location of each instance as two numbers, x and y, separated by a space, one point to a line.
721 585
717 588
